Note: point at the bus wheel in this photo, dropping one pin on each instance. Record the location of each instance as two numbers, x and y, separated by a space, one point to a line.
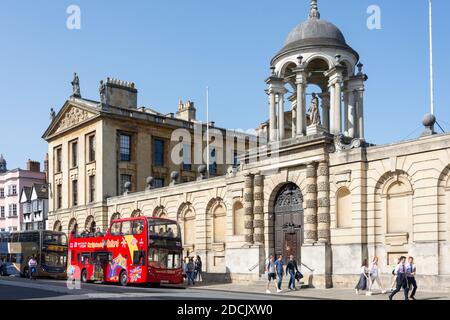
123 279
84 276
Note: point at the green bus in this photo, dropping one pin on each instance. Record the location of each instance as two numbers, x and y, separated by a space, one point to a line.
48 247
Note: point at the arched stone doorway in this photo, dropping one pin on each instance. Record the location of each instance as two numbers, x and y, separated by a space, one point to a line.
288 226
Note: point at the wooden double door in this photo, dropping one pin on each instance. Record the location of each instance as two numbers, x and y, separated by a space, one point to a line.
288 226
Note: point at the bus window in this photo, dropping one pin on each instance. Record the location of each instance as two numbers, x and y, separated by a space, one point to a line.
85 258
15 237
157 258
126 228
174 261
29 237
163 229
55 238
53 259
138 227
139 258
100 257
115 229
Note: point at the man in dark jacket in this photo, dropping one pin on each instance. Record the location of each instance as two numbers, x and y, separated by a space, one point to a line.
292 270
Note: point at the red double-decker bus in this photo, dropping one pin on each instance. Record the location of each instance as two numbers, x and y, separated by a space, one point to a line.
135 250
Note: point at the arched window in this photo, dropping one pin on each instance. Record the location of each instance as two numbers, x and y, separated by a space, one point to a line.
189 227
238 219
398 198
344 212
115 216
73 226
160 212
136 213
219 218
57 226
90 224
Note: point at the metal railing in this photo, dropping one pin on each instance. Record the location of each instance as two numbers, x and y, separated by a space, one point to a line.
253 267
304 265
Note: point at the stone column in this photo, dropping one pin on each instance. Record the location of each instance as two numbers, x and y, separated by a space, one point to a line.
294 117
311 205
248 208
258 222
301 104
360 95
281 128
346 124
332 109
323 202
273 116
352 120
326 110
337 107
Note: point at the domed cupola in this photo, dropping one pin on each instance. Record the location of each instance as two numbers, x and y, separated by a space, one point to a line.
316 53
2 164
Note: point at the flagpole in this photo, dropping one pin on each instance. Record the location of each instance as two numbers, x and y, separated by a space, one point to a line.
207 130
431 57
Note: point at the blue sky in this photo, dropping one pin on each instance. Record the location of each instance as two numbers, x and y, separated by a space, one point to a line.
173 49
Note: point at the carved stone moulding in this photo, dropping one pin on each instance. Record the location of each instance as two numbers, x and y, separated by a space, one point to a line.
259 238
249 225
311 219
258 223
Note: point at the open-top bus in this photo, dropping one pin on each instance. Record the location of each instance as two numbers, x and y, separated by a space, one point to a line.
48 247
135 250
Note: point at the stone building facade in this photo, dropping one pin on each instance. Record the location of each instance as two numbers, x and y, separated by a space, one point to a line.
12 182
101 149
324 193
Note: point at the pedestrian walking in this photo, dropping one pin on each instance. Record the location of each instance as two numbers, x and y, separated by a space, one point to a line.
374 274
402 282
279 264
292 270
198 269
271 273
32 267
190 271
184 267
394 280
411 277
363 278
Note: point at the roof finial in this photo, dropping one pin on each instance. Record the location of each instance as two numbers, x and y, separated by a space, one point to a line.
314 12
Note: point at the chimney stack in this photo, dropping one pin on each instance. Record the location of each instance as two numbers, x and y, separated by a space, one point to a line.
33 166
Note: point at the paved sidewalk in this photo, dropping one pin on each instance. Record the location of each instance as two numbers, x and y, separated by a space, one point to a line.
319 294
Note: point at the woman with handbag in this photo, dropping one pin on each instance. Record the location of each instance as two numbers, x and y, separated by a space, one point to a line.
374 274
363 279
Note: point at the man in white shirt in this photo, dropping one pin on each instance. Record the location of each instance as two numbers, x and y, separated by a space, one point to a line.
400 272
271 273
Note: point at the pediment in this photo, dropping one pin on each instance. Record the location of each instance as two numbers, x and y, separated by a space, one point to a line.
72 117
69 117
